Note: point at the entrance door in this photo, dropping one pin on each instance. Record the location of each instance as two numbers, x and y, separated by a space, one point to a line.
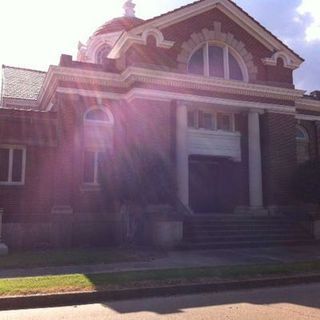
204 186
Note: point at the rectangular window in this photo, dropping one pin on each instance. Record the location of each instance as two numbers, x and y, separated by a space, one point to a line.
89 164
12 165
224 122
192 119
207 121
94 167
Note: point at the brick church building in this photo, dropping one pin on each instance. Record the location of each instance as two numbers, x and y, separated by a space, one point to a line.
205 87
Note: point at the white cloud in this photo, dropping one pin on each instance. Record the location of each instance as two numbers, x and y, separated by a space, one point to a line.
311 8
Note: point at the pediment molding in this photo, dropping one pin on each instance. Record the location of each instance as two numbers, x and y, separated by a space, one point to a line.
231 10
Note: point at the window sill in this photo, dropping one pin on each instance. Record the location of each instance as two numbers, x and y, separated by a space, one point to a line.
214 132
90 188
11 186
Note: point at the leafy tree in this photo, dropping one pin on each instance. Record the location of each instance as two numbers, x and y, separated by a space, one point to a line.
144 177
306 182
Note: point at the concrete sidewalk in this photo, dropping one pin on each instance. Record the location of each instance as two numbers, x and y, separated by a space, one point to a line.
184 259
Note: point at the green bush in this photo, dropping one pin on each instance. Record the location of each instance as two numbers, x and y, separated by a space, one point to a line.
306 182
140 177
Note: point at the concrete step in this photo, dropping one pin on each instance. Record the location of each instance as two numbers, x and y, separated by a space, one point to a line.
249 238
235 227
204 233
223 231
234 216
244 244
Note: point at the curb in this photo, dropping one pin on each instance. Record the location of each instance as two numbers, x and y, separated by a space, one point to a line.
77 298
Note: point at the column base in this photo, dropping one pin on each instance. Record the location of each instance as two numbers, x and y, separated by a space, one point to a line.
254 211
3 249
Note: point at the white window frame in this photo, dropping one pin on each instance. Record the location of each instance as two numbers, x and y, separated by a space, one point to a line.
215 113
95 168
305 141
232 121
11 148
226 49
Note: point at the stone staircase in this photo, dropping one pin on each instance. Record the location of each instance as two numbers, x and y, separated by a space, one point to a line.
213 231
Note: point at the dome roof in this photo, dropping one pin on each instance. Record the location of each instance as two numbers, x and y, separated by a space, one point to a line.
118 24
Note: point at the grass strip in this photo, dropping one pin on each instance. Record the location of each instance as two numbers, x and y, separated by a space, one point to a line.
87 282
54 258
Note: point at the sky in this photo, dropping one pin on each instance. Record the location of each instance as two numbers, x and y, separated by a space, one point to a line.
34 33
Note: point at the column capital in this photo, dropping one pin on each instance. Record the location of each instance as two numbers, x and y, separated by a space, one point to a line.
259 111
181 103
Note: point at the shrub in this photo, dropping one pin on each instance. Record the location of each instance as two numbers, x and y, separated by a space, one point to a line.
306 182
139 177
144 177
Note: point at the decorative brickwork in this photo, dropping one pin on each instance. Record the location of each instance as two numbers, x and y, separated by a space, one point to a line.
215 34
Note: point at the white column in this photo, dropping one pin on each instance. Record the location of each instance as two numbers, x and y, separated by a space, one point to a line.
3 247
182 154
255 166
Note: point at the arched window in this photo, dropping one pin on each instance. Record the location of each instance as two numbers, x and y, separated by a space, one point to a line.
217 61
98 144
302 139
102 54
98 115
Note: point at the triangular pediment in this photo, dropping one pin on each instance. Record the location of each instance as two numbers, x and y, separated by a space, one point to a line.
232 11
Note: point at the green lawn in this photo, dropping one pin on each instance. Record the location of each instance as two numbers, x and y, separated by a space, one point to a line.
54 258
82 282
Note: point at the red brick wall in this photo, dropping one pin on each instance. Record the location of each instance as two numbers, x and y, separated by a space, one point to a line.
278 157
311 129
145 124
35 131
149 125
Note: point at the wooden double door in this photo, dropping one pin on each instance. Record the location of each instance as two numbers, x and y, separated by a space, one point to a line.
208 185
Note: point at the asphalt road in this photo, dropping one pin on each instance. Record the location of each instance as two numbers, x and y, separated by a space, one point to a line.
293 303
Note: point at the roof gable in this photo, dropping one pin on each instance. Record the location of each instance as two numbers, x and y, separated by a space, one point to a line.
234 12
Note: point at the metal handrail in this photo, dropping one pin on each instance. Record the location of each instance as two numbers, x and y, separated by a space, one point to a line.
182 208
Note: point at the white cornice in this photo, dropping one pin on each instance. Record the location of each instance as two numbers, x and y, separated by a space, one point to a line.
209 83
307 117
308 104
231 10
91 93
163 78
138 93
159 95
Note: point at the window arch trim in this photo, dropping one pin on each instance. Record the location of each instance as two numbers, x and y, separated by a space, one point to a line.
216 34
304 132
302 144
226 65
105 110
